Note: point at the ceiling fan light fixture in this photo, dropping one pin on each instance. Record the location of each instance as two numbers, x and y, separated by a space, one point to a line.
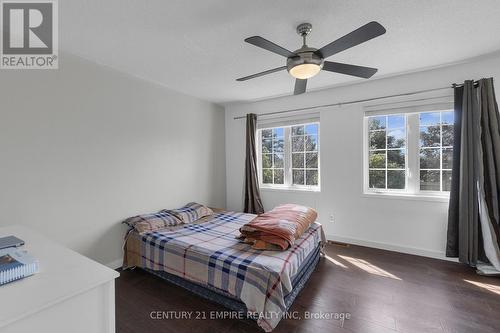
304 71
305 65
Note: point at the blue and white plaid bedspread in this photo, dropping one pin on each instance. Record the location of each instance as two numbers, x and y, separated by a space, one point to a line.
209 254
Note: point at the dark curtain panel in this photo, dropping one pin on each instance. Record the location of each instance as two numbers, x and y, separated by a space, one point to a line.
253 202
490 159
476 170
468 207
452 237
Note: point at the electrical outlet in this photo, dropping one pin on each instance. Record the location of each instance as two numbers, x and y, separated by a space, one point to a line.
331 218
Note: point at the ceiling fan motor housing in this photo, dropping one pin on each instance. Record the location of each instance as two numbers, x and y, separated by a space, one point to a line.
305 55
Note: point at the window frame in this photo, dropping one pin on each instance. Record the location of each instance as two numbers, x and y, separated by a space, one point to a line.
287 160
440 147
367 154
412 188
260 168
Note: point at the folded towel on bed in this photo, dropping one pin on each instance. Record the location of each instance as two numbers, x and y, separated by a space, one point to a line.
279 228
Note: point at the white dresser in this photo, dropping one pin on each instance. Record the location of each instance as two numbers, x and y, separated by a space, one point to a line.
70 294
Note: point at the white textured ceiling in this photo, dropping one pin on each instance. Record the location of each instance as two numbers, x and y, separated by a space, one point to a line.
196 47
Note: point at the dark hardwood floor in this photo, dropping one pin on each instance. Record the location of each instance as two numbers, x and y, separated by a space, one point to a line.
382 291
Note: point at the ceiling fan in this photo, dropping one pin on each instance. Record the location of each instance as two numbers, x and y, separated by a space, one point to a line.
306 62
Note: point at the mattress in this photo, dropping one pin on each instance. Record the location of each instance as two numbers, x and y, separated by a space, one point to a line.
208 255
233 303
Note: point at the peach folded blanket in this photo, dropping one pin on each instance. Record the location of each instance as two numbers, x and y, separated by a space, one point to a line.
279 228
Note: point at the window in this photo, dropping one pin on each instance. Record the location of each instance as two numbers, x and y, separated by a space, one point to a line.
273 147
409 153
387 152
305 155
436 150
289 156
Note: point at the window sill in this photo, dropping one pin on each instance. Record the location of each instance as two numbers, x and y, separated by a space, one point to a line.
402 196
289 189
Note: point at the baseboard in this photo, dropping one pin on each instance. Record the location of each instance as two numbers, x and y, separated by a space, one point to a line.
391 247
118 263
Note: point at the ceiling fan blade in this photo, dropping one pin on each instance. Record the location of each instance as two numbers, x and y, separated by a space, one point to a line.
300 86
269 71
359 71
270 46
358 36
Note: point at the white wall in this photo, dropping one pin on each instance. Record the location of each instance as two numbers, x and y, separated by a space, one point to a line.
412 226
83 147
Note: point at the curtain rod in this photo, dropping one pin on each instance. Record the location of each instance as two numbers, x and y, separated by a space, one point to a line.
455 85
350 102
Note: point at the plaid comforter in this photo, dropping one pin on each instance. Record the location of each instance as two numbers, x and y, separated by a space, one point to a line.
209 254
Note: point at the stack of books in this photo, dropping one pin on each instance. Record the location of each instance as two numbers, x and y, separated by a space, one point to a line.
16 264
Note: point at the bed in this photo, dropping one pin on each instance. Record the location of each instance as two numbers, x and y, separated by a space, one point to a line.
206 258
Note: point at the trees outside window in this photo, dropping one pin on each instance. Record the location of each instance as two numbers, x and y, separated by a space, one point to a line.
289 156
409 153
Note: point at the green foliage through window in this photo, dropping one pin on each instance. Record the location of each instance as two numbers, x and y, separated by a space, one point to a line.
436 150
430 135
305 154
290 155
387 152
273 147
